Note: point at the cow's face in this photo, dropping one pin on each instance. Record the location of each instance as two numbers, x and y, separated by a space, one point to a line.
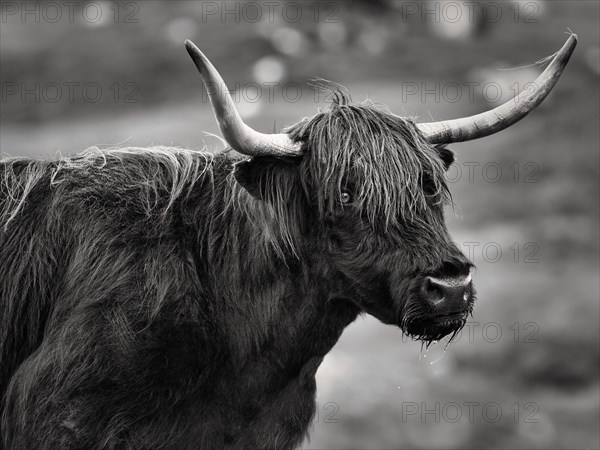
382 194
407 271
372 193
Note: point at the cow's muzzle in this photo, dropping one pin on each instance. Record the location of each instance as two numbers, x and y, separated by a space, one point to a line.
439 306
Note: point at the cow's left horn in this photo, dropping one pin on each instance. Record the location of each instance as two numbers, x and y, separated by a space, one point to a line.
238 135
490 122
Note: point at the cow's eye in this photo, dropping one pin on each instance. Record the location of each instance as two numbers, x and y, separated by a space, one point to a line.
346 198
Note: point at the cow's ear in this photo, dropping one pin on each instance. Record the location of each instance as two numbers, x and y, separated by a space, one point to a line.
258 175
248 174
446 155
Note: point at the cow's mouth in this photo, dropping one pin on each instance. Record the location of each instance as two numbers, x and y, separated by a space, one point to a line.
451 317
435 328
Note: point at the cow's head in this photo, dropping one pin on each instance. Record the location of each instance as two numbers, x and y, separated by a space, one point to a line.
370 186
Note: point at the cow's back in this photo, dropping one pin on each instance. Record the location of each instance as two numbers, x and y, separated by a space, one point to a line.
93 252
52 212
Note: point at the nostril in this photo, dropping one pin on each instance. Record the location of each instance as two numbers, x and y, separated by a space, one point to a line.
435 292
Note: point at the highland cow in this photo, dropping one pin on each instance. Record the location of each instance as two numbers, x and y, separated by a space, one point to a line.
167 298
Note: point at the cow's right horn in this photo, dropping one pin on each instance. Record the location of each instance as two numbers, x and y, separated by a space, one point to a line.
497 119
238 135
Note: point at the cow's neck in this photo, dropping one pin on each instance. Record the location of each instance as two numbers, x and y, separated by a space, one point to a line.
288 316
278 310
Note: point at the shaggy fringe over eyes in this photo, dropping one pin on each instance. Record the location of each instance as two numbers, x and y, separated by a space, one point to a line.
158 169
382 158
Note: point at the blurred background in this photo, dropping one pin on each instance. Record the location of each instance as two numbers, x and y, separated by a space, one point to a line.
524 373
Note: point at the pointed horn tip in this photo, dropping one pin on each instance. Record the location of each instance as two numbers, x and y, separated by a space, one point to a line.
564 54
192 48
572 41
570 44
189 45
196 54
